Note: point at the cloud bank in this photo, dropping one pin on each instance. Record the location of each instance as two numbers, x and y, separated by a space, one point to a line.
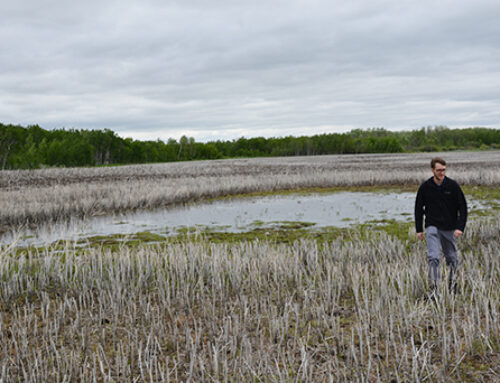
223 69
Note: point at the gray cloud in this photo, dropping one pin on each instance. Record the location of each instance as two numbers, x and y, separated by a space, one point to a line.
223 69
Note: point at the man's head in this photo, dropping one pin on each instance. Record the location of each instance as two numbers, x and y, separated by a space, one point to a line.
437 160
438 167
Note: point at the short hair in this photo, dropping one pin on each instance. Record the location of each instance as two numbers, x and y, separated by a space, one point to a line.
437 160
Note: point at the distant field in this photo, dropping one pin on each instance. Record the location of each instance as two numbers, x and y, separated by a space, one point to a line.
38 196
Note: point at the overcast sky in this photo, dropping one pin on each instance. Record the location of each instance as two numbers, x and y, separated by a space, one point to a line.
220 69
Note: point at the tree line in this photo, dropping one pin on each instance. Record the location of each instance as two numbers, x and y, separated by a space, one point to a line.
34 147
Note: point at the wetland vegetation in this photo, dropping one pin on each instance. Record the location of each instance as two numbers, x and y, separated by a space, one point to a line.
34 197
282 304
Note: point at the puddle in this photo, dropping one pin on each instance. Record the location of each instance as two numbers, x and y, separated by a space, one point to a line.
341 209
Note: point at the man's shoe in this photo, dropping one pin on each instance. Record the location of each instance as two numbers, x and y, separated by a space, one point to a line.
432 295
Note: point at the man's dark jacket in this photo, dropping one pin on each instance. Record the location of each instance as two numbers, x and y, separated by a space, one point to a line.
444 206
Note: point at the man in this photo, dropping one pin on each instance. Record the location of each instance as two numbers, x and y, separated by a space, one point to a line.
442 202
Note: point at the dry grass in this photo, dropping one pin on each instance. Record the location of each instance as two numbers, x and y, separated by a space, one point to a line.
40 196
349 311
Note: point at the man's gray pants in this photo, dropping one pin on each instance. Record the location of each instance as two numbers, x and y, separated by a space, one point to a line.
436 240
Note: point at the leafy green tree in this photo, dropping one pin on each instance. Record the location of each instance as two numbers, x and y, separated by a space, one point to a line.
33 146
10 139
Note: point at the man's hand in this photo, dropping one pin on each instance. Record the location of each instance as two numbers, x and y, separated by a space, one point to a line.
458 233
420 236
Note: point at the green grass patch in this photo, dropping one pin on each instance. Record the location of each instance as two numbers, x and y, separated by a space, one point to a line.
483 193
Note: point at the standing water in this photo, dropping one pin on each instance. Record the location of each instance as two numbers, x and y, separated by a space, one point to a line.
341 209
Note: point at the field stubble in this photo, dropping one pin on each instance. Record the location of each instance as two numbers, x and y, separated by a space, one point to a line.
348 310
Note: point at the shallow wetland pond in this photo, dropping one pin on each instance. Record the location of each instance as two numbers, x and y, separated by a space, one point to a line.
239 214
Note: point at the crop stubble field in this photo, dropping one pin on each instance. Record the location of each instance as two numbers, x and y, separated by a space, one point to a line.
347 309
